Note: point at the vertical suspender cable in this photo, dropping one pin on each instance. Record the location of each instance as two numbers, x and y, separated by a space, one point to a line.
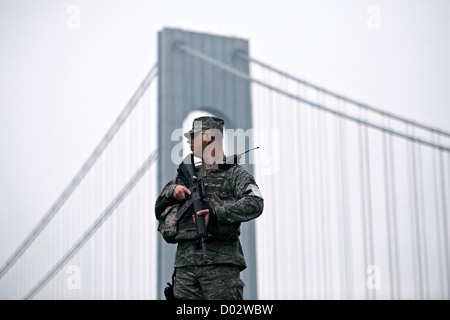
388 192
274 206
437 211
422 223
410 183
369 203
315 208
302 198
320 196
298 138
363 201
366 202
446 228
323 195
269 251
394 218
347 212
293 152
307 203
102 247
345 215
416 222
287 150
444 219
391 224
340 211
326 212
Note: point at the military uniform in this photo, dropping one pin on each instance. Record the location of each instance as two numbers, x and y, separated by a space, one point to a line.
235 198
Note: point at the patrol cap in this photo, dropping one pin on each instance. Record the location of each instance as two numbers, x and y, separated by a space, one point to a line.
205 123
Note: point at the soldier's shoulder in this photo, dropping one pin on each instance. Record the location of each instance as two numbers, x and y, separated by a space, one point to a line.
239 171
240 168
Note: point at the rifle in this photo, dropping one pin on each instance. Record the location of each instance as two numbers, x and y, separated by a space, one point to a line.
197 188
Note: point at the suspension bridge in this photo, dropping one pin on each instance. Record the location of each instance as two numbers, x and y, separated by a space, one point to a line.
356 198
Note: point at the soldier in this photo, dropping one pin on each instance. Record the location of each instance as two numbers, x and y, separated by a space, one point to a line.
231 197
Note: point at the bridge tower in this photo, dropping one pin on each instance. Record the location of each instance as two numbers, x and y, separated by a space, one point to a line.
188 84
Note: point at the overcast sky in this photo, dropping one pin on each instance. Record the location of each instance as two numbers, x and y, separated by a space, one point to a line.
67 68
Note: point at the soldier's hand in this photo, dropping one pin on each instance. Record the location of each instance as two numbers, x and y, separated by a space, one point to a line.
180 192
205 213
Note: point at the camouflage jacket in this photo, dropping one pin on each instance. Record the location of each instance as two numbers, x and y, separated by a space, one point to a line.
233 194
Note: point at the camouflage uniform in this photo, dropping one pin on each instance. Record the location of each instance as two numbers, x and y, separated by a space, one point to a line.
233 194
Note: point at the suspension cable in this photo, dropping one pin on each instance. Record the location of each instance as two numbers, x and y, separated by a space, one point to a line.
95 226
82 172
181 46
242 55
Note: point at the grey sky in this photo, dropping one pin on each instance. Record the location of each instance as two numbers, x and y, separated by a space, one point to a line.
61 88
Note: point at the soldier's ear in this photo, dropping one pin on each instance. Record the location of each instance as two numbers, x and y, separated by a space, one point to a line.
208 137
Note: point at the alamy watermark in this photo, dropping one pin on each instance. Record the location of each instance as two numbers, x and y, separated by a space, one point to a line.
73 21
266 158
373 281
373 21
73 281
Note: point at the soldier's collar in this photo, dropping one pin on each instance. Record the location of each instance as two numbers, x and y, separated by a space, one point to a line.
218 167
225 165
